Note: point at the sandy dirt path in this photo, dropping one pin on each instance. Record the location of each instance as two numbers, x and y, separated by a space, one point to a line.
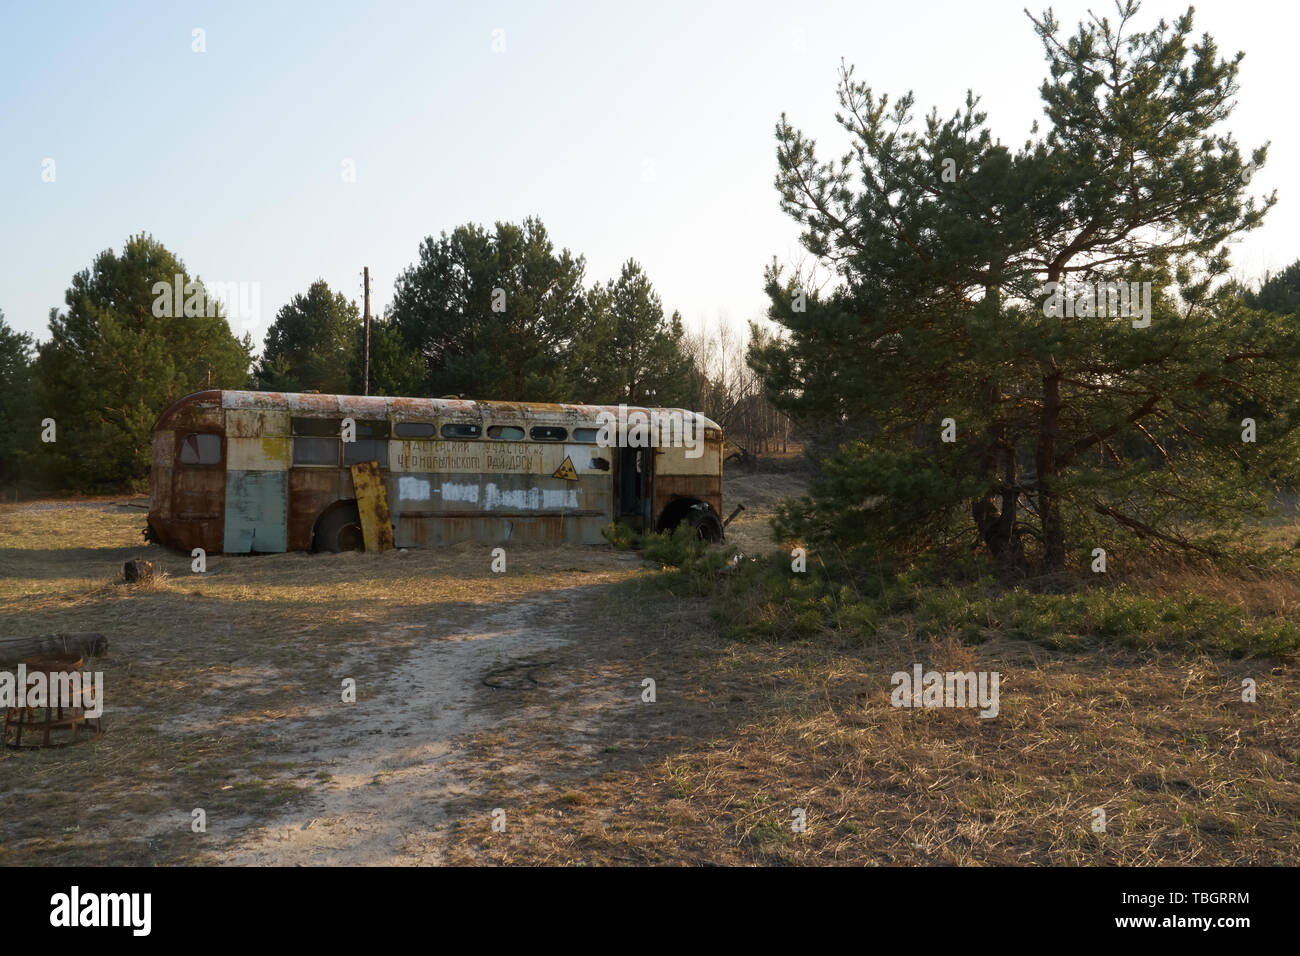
390 752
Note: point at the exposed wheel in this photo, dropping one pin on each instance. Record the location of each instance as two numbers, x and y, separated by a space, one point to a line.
705 522
339 529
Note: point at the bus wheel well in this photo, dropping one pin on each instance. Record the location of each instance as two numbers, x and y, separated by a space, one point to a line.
338 528
696 513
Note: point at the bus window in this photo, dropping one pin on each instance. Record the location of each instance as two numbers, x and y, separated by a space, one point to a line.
586 434
549 433
371 444
461 430
415 429
318 427
366 449
506 432
200 449
316 451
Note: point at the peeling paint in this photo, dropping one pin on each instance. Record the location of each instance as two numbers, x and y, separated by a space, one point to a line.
257 454
372 506
442 490
256 505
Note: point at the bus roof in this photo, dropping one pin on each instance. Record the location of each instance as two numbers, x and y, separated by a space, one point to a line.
312 404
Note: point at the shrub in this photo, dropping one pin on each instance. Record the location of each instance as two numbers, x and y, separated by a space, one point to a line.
619 535
761 598
676 548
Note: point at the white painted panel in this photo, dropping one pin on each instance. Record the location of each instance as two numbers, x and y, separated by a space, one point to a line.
412 489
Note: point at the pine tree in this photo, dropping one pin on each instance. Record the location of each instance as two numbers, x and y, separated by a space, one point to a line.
19 423
312 344
639 357
936 365
1279 293
126 347
394 368
498 315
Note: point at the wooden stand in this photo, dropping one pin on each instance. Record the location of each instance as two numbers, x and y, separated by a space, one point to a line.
58 722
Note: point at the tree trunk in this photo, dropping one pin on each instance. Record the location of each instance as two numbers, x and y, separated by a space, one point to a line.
995 513
995 519
1049 503
1008 525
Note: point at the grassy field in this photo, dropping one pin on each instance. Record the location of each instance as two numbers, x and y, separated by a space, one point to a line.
518 698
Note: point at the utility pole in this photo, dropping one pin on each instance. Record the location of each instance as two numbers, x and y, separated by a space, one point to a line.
366 380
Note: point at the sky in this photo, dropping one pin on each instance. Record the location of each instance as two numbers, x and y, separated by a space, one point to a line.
308 140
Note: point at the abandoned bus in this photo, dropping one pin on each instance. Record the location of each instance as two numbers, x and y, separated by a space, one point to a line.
242 472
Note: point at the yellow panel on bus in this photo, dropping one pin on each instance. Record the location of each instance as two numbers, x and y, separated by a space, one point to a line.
257 454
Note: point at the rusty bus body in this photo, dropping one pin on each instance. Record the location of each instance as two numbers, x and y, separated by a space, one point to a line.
241 471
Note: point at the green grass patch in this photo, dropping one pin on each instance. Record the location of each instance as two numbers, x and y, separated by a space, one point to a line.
764 599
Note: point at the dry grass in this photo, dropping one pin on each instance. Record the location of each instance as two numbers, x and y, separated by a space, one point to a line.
205 672
761 491
208 677
1185 772
1273 592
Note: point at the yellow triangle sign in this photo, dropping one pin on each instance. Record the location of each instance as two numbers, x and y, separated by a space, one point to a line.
566 470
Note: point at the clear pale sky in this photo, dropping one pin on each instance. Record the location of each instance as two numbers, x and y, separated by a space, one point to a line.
633 130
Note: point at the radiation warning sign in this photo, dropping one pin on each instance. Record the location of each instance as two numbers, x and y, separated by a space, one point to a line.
566 470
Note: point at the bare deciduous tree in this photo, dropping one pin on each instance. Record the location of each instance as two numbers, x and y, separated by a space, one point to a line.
731 393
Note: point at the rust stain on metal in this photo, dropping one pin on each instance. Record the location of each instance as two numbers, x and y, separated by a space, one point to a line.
311 492
372 504
257 423
435 490
269 400
311 402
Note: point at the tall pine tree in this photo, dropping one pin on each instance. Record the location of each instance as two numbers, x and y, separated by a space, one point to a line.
311 345
124 348
495 315
639 357
948 378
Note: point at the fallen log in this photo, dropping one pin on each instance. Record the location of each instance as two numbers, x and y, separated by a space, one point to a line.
82 643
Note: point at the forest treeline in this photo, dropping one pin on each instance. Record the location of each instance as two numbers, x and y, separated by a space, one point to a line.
498 314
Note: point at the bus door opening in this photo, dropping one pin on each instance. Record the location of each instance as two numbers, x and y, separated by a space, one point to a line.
634 465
